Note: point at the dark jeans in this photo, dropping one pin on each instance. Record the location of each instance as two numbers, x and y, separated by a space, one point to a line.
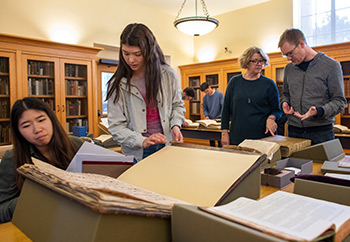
150 150
317 135
212 143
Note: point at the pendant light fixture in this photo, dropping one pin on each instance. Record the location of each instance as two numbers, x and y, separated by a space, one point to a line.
196 25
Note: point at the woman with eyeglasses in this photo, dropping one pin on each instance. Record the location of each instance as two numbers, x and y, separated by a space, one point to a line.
251 101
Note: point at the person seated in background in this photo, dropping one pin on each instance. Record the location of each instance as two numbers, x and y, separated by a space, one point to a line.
213 102
188 93
251 101
36 132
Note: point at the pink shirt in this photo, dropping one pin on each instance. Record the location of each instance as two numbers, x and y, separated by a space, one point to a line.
152 115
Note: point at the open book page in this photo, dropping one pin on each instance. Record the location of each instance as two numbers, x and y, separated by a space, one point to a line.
265 147
345 162
191 124
97 190
338 175
104 137
209 123
92 152
286 215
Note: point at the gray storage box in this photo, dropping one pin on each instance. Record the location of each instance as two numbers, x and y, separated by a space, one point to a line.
304 165
325 191
280 180
330 150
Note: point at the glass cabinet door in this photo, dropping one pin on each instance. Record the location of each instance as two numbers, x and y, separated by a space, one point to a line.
76 84
195 107
41 80
6 99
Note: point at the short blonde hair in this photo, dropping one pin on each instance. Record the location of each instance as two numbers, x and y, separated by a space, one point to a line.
245 58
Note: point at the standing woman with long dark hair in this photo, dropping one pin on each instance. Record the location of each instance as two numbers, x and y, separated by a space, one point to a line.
145 107
36 132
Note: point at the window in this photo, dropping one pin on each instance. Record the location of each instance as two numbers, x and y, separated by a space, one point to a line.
105 76
323 21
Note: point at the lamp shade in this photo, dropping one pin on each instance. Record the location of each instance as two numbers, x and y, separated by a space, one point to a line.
197 25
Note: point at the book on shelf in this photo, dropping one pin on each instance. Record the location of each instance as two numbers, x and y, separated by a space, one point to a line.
100 193
264 147
288 216
4 85
288 145
209 123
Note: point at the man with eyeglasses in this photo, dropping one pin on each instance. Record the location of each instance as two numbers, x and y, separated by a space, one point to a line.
313 89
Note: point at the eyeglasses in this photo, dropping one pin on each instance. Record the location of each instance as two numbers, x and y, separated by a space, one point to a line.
257 61
290 53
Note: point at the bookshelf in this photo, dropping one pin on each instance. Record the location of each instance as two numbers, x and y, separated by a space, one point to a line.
7 88
62 75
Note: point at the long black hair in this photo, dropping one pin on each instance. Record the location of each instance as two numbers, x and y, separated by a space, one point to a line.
141 36
61 148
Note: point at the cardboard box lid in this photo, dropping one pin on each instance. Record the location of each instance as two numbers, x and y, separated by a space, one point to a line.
199 176
330 150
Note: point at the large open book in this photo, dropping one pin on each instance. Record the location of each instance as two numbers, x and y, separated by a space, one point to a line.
191 124
264 147
209 123
288 145
101 193
288 216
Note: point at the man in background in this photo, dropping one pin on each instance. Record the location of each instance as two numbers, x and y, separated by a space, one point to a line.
188 93
313 89
213 101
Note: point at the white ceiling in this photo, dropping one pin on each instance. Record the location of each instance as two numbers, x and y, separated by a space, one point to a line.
214 7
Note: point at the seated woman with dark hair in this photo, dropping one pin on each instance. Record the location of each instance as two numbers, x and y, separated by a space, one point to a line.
36 132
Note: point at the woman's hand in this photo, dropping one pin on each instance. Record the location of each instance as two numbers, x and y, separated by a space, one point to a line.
157 138
271 125
176 134
225 138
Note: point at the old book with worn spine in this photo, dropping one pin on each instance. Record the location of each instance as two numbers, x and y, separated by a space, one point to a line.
288 145
100 193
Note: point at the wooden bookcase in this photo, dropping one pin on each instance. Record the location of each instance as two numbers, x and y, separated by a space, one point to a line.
230 67
7 93
62 75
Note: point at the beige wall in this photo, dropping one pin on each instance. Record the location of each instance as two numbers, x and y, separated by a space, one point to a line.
100 22
259 25
103 21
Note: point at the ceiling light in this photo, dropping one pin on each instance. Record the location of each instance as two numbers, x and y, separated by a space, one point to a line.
196 25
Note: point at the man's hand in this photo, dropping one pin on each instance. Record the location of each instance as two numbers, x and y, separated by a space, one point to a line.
287 109
312 112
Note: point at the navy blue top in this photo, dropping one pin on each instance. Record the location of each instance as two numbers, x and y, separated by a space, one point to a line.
247 105
212 105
